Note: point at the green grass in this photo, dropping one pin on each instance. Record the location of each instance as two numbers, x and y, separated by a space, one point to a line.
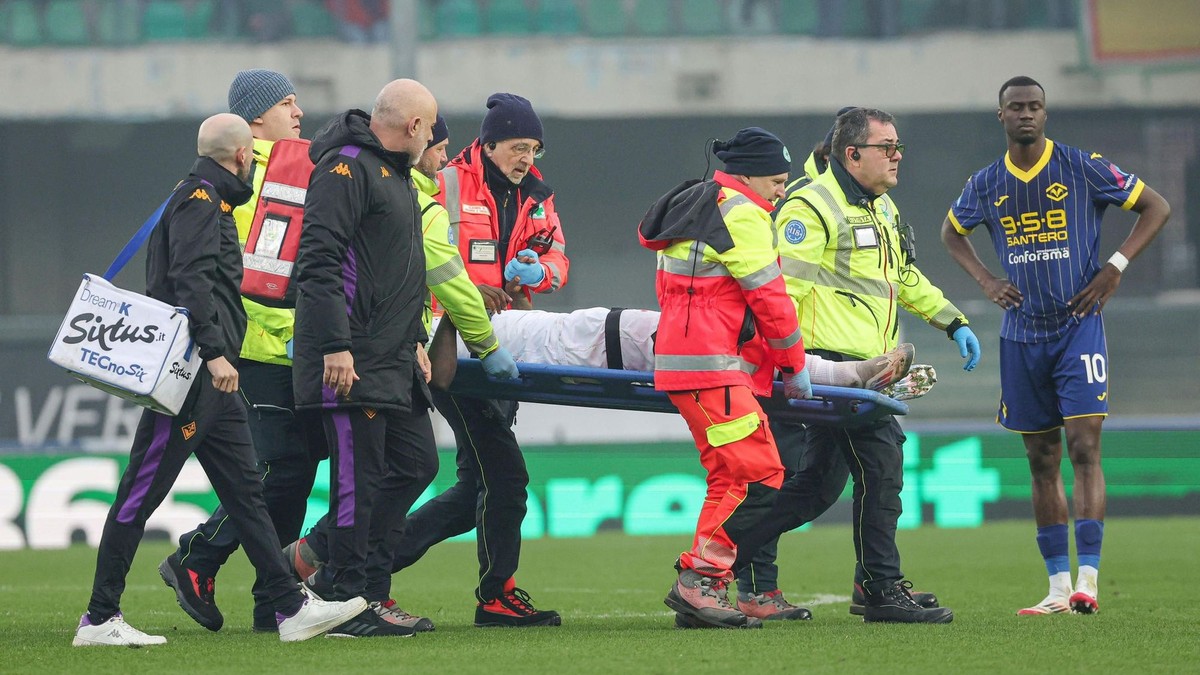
610 589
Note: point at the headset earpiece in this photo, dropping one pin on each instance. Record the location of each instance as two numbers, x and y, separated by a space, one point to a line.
854 155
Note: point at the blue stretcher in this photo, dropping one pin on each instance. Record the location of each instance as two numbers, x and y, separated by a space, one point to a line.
634 390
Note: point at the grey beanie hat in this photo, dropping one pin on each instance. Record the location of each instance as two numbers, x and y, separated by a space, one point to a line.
255 91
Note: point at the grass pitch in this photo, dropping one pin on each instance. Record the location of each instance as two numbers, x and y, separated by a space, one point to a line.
610 589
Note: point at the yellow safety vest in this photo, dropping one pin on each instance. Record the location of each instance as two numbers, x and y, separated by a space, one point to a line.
447 277
846 273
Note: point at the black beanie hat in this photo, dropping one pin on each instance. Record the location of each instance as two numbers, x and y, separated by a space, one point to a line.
440 132
829 136
509 116
754 152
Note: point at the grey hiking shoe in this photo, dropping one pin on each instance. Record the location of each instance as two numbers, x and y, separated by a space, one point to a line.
705 599
771 606
389 611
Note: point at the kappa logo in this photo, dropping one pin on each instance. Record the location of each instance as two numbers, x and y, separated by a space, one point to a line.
188 430
225 208
1057 192
201 193
1000 201
383 172
342 170
370 413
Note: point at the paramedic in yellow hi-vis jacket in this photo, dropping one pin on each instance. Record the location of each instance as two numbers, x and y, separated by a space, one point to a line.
848 264
447 279
267 101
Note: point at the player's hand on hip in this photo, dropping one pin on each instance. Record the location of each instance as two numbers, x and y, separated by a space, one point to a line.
224 375
339 372
1097 293
798 384
1003 293
499 364
968 347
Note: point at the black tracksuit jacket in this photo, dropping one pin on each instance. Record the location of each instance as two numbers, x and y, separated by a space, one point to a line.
360 270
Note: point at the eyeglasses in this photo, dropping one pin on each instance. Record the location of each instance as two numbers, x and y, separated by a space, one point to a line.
889 149
524 148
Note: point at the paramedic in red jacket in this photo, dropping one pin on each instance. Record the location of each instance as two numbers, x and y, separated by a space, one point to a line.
726 322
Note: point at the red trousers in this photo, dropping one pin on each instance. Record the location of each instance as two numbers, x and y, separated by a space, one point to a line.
736 449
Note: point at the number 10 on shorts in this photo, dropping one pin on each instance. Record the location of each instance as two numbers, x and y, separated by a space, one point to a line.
1093 365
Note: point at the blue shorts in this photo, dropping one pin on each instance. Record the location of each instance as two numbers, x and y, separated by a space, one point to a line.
1043 383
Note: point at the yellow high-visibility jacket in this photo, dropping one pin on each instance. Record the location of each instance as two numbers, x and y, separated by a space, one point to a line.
447 277
845 270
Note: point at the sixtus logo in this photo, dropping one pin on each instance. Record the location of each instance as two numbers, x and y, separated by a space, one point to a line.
90 327
104 362
179 372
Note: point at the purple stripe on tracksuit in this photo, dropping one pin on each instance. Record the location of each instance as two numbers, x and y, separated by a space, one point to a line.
345 486
350 150
149 467
350 278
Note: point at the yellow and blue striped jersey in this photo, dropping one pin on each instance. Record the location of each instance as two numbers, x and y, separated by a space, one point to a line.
1045 228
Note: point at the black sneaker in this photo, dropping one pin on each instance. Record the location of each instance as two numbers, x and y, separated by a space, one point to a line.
896 605
195 593
514 609
369 624
858 602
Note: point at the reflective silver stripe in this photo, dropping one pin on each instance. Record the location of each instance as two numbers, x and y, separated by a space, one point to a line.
284 193
481 347
453 200
559 246
729 204
444 272
696 364
799 269
945 317
684 267
785 342
760 278
845 246
555 276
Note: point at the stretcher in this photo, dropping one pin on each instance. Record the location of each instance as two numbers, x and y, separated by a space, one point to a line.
634 390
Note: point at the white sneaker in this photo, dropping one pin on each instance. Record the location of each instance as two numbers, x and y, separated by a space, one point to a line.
316 616
1083 600
1053 604
114 633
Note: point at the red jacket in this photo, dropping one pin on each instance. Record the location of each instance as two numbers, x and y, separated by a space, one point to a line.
474 218
726 316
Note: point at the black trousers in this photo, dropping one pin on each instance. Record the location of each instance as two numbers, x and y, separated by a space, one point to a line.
287 467
873 457
490 494
215 430
412 468
370 453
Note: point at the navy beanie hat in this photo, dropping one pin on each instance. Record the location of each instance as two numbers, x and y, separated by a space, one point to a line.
509 116
843 111
254 92
440 132
754 152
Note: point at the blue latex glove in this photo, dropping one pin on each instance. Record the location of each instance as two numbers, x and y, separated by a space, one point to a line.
531 273
500 365
968 345
290 346
798 385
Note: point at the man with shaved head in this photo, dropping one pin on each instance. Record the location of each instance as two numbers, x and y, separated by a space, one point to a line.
358 357
193 261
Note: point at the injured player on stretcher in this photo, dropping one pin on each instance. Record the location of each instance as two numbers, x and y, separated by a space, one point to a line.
585 337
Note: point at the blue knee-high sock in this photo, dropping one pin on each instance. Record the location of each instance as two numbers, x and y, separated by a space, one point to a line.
1088 536
1052 541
